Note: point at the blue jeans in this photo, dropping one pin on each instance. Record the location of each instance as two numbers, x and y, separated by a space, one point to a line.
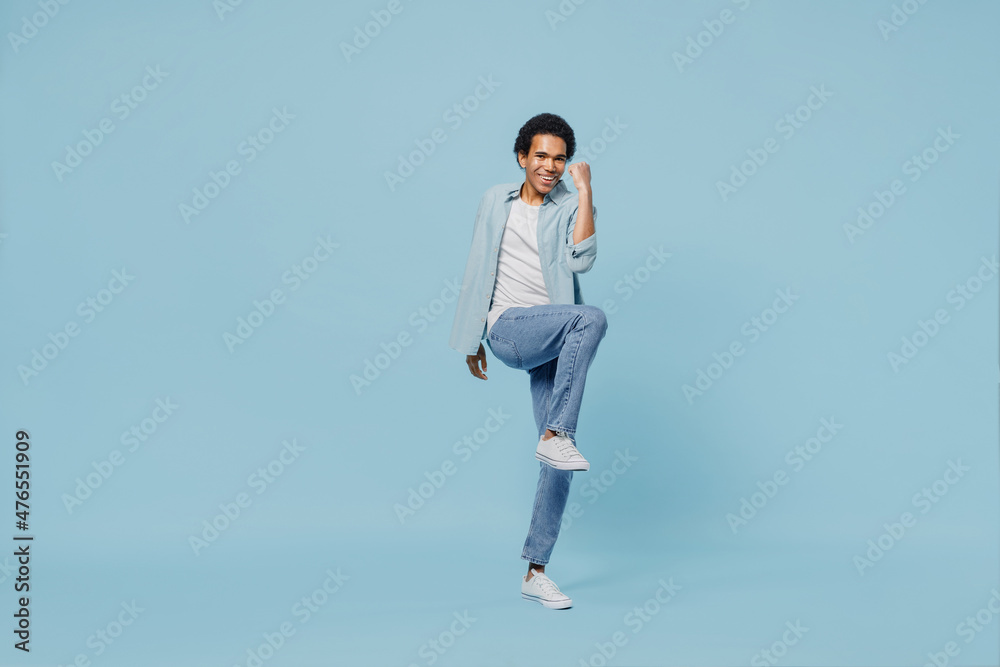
555 344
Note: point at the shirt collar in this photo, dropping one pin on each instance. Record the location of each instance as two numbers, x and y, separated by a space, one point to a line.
557 194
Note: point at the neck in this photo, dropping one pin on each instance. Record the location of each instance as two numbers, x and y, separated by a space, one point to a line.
530 196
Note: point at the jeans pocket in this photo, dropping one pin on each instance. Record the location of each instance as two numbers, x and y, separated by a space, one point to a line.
504 350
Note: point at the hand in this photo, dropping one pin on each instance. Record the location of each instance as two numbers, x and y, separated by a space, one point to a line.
580 171
479 358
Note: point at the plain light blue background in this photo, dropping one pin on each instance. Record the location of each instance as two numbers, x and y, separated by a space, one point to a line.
654 185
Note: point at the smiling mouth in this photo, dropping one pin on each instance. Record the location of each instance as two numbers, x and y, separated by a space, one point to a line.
547 180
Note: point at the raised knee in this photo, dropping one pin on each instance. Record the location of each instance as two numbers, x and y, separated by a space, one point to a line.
597 319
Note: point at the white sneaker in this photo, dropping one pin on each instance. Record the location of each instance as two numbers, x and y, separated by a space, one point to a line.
542 589
560 453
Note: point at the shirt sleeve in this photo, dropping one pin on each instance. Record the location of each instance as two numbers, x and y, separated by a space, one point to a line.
464 327
580 256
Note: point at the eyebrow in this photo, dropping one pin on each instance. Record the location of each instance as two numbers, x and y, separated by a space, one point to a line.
562 155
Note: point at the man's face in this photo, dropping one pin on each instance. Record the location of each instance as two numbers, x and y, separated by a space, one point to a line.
545 162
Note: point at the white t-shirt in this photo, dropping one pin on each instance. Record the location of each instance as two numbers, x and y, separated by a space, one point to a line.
519 280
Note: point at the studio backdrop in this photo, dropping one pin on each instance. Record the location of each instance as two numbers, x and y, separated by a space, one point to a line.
232 235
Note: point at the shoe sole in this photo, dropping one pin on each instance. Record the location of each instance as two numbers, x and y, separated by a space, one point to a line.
562 465
565 604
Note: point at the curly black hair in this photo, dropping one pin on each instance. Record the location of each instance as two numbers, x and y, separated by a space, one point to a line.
544 123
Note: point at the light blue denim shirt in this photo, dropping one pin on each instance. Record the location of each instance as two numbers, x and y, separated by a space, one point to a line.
560 258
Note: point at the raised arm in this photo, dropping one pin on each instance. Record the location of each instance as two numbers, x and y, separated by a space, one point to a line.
580 171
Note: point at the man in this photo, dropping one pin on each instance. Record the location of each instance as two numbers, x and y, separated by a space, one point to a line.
521 291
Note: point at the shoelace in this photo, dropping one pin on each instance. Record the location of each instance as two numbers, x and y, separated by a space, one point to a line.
547 585
566 447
